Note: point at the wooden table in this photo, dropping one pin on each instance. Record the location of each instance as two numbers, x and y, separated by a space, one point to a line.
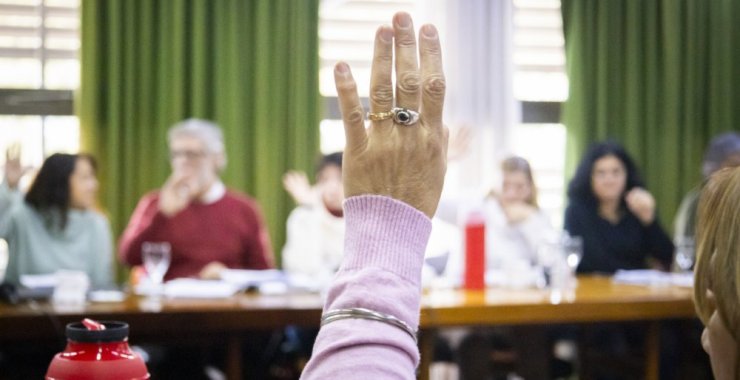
596 299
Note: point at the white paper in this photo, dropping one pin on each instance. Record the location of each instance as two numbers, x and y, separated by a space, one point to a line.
245 277
37 281
654 278
193 288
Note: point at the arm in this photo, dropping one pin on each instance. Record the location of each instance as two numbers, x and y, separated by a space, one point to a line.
659 244
403 159
656 243
384 253
102 274
145 222
258 249
9 198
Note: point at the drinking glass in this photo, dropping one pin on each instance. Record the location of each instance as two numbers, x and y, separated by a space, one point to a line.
549 258
685 253
573 250
156 258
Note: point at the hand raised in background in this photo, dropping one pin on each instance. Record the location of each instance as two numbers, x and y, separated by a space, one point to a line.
405 162
459 144
641 203
14 171
296 184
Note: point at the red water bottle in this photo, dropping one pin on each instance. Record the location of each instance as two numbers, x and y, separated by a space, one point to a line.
97 350
475 252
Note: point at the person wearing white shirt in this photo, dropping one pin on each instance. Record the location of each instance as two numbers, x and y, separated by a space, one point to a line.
315 229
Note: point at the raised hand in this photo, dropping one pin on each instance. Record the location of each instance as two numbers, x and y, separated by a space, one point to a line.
297 185
397 156
642 204
459 144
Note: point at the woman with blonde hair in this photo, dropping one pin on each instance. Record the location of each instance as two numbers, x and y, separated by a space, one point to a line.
515 225
717 271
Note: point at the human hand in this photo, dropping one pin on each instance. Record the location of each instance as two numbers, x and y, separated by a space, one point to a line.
212 271
642 204
459 144
405 162
14 171
297 185
176 194
517 212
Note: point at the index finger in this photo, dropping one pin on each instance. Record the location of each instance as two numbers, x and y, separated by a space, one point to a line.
432 78
353 115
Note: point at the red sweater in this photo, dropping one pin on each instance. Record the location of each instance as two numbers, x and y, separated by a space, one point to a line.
230 231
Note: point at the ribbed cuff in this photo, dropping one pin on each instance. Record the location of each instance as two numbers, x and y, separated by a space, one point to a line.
384 233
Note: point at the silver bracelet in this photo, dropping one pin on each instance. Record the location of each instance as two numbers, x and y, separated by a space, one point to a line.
361 313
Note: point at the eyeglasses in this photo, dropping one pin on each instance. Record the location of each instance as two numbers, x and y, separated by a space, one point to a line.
189 155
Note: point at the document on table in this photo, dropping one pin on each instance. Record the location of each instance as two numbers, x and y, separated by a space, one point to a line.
654 277
194 288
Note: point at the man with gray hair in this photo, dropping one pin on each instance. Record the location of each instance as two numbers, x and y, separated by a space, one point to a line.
207 226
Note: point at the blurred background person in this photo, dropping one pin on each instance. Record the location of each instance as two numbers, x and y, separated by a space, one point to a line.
55 225
722 152
515 226
609 207
208 227
315 228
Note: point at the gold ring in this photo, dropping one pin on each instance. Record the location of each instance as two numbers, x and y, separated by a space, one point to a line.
378 116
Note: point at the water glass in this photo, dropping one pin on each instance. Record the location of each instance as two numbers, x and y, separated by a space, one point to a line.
685 252
156 258
549 256
573 250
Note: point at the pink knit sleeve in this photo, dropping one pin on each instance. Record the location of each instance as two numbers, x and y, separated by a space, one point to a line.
384 252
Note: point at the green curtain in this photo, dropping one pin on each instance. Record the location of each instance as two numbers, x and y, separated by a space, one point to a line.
659 76
251 66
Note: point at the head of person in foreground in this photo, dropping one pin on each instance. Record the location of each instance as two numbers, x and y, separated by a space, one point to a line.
717 271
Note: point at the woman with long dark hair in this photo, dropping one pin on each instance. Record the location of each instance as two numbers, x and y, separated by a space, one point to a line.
609 207
55 226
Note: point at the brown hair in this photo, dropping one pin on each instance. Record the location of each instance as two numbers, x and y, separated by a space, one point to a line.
718 251
518 164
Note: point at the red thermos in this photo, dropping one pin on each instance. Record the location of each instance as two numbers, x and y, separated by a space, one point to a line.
97 354
475 252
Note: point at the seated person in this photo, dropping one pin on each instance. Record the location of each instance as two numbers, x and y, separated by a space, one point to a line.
515 225
208 227
613 213
717 272
55 226
723 151
315 229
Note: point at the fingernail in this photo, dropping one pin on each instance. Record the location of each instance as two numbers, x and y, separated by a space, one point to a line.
386 34
342 68
403 20
429 31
